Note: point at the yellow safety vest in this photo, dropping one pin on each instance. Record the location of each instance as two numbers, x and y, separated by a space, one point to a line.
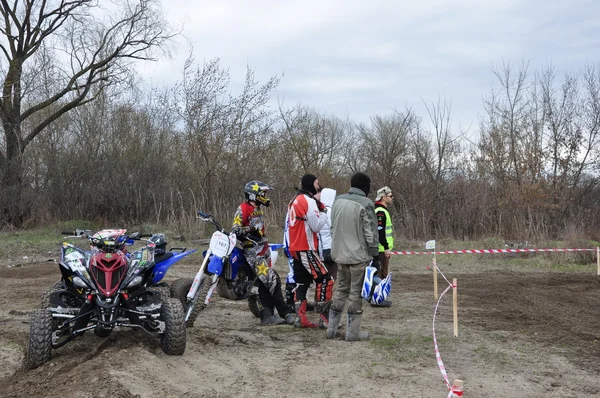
389 236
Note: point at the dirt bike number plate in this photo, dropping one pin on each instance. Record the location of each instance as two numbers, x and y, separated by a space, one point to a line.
220 244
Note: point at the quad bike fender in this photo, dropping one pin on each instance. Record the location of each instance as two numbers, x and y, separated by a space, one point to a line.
161 268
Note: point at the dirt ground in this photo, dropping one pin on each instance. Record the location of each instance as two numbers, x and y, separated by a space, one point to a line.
521 334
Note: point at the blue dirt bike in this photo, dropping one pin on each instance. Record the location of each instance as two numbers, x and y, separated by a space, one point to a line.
225 270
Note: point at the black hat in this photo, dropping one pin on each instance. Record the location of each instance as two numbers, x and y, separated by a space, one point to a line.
362 182
307 183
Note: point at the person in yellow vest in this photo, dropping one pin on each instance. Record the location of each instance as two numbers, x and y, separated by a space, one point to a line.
383 199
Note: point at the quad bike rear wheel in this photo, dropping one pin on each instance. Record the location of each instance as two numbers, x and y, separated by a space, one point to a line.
39 346
45 298
179 290
165 291
173 340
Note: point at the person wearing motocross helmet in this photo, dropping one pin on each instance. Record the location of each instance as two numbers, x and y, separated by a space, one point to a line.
249 226
306 217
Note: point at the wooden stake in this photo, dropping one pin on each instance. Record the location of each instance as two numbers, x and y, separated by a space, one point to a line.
598 259
435 285
455 306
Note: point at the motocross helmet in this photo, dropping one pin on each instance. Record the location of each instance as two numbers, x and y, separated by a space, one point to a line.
109 240
257 192
368 283
374 289
161 243
382 290
108 271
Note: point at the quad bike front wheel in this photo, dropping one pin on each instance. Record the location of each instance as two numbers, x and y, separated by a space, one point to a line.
39 346
101 332
173 340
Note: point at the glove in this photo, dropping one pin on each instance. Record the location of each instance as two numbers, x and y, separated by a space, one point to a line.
327 256
375 262
254 234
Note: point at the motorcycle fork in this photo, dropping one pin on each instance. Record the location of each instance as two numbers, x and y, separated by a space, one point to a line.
213 285
198 278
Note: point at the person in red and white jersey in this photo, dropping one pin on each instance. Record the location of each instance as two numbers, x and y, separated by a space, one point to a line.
306 217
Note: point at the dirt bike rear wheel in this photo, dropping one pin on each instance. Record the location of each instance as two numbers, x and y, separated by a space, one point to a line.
39 346
179 290
173 340
223 290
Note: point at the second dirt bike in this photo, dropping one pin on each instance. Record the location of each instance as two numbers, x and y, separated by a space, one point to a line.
225 270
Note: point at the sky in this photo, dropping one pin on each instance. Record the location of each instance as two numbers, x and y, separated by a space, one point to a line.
357 59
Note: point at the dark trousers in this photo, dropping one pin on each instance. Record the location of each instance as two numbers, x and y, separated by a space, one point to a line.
384 263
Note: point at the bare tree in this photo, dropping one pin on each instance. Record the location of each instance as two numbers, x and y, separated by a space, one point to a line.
88 47
386 145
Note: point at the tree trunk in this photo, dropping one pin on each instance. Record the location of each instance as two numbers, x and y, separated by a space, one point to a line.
11 197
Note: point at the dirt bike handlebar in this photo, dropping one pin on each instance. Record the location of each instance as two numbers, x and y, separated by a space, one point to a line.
209 218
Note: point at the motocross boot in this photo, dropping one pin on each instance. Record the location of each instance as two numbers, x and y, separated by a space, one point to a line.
290 318
353 332
323 308
301 319
267 318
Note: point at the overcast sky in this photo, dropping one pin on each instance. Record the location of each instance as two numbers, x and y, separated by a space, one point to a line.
361 58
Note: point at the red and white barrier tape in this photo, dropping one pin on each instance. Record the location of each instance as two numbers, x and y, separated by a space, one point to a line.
494 251
438 357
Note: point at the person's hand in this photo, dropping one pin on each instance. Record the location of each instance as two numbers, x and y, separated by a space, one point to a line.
388 253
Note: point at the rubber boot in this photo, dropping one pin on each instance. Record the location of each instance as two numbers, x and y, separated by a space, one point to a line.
353 332
267 318
301 319
335 317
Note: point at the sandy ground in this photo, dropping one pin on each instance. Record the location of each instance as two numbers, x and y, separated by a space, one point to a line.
532 334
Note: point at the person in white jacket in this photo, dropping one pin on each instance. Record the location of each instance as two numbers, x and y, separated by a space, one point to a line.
327 195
